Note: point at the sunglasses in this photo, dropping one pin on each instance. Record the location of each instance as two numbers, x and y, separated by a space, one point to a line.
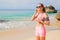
38 6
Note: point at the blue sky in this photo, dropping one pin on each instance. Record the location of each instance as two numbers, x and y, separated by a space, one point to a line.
27 4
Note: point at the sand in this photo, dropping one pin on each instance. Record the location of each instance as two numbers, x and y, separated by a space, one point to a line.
16 34
28 34
24 30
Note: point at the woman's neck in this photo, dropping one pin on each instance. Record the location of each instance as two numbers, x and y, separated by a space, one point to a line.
40 12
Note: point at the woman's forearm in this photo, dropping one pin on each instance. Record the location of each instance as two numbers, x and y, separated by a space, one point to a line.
40 21
35 15
33 18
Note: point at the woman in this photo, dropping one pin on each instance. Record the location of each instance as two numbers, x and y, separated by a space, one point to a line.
41 18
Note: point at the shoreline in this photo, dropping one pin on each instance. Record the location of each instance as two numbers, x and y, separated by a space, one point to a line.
25 30
24 23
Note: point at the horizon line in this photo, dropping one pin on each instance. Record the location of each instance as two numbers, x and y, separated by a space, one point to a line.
18 10
15 9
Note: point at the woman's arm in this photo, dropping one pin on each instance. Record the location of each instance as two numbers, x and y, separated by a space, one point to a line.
47 20
34 15
40 21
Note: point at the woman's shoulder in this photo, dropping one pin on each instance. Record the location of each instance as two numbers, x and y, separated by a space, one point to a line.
45 14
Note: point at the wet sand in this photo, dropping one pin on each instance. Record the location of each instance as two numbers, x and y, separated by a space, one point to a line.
27 34
24 30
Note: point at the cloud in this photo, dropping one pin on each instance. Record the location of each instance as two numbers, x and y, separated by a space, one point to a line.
7 4
26 4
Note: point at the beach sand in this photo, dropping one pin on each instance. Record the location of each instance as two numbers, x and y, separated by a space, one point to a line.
27 34
24 30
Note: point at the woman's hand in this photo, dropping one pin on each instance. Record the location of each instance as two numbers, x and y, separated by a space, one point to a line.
33 18
40 21
47 23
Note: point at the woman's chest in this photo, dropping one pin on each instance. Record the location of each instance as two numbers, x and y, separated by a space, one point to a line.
40 16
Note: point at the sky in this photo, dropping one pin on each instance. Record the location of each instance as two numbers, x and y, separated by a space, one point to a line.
27 4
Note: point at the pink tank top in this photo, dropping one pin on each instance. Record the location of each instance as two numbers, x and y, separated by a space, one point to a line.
40 16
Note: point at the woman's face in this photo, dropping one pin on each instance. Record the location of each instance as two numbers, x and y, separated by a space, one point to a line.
39 7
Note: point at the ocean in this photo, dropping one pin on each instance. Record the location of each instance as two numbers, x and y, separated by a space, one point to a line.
18 15
18 19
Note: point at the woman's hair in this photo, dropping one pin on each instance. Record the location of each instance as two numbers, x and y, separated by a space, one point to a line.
42 6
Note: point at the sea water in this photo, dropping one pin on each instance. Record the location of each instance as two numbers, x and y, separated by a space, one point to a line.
18 15
13 15
19 19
